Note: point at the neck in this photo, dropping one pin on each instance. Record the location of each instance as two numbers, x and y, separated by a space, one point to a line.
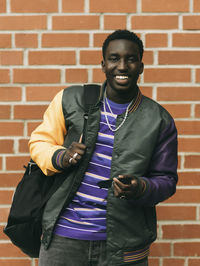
121 96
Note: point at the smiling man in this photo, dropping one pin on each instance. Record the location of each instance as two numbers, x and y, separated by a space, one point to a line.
104 213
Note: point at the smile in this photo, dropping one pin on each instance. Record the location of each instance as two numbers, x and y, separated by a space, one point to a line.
122 77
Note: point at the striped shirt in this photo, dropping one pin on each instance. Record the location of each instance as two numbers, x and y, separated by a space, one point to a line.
85 217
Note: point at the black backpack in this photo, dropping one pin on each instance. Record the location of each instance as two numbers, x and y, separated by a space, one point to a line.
24 226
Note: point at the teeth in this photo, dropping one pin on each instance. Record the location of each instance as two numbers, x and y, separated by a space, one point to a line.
122 77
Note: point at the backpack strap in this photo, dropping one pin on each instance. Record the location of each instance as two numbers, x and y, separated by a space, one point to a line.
90 96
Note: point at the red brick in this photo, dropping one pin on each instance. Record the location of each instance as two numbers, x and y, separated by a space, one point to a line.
194 262
2 236
163 22
167 75
160 249
35 6
11 128
198 75
156 40
178 93
75 22
148 57
5 40
114 6
181 231
191 22
99 39
9 250
11 58
16 162
52 57
36 75
189 178
90 57
186 40
179 57
147 91
6 196
42 93
188 127
153 262
165 6
177 262
71 6
0 163
29 111
196 4
189 144
65 40
4 111
2 6
185 196
114 22
98 76
179 162
192 161
178 110
23 22
6 146
10 179
8 94
14 262
197 110
76 75
4 76
31 126
4 215
23 145
26 40
187 249
176 213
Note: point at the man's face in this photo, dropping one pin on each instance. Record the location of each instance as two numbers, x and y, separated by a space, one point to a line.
122 66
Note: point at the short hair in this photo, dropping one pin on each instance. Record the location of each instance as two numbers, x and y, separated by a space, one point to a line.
123 35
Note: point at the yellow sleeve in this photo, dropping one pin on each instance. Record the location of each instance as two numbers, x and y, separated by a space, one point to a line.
49 136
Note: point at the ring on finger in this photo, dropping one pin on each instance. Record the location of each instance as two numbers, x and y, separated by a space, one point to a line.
75 155
70 160
122 197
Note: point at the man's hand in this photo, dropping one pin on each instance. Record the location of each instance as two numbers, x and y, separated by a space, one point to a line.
128 187
73 154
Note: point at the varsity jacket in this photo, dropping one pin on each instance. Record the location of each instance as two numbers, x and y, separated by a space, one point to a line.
145 146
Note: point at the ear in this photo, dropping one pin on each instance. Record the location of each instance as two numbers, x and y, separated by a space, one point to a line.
103 65
141 68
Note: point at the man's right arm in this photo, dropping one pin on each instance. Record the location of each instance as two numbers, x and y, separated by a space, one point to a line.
49 136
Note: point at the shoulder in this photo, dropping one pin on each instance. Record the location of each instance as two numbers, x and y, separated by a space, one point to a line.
155 109
72 95
73 90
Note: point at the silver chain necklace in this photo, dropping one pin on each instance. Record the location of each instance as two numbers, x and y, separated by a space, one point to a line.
125 116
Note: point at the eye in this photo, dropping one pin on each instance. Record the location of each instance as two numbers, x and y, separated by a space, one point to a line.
113 58
132 59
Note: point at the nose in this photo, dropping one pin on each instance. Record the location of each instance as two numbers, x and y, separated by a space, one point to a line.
122 65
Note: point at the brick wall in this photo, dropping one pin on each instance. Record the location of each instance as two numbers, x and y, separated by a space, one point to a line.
46 45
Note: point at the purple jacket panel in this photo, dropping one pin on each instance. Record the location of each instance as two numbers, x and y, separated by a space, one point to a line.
162 176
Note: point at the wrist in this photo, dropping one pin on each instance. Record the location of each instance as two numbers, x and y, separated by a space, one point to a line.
57 159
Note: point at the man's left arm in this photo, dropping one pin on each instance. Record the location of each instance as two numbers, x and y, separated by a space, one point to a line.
160 182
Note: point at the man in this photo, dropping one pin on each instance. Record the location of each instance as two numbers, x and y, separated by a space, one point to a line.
104 212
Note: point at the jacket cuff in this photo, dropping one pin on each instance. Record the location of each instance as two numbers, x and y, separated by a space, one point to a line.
57 159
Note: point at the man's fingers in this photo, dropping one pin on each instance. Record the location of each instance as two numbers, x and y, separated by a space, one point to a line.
117 190
73 154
